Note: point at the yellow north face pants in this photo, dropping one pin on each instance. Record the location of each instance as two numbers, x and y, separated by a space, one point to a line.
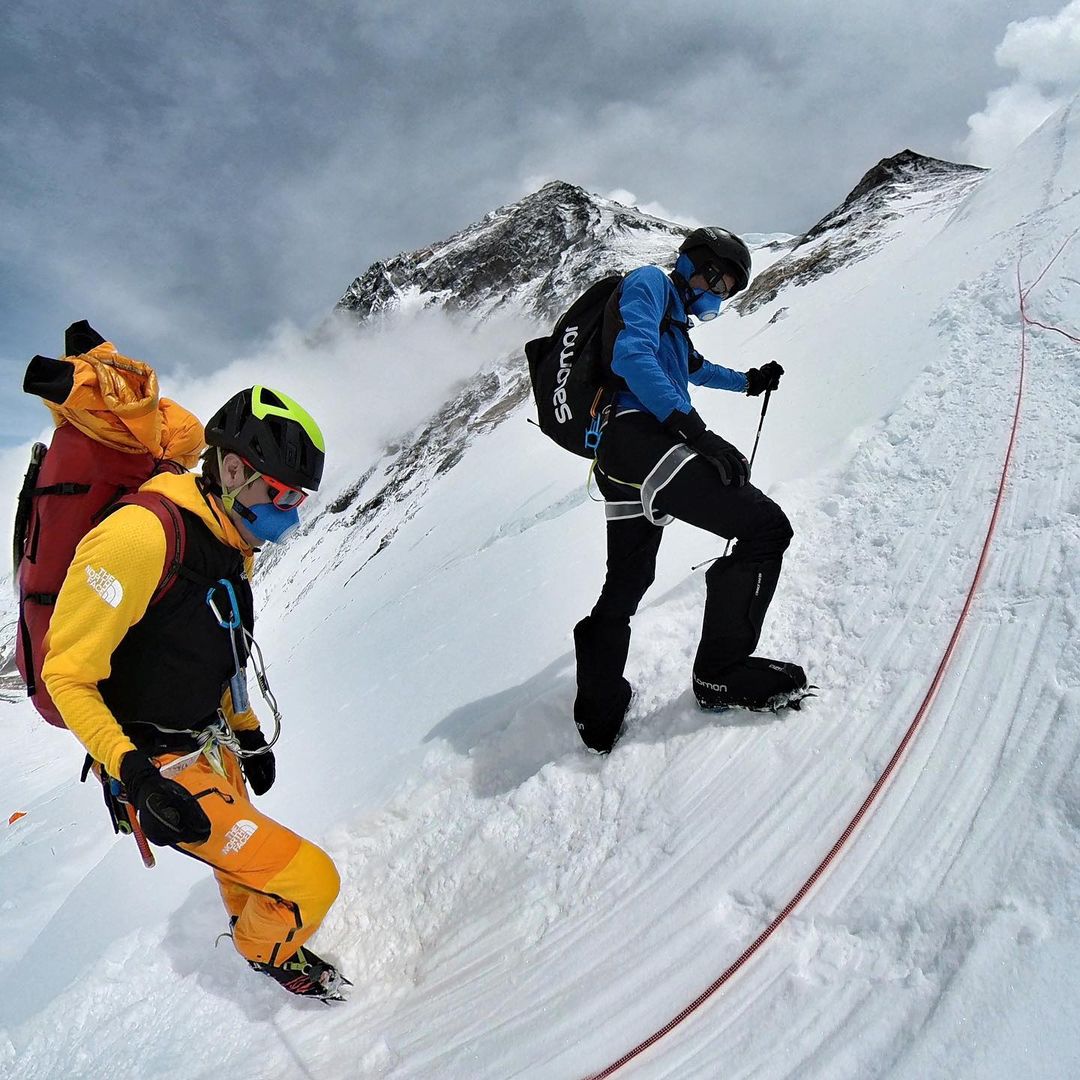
277 884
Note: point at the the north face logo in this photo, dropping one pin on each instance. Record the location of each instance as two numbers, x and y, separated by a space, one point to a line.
238 836
105 585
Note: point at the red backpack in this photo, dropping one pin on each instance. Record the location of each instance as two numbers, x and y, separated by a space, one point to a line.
67 490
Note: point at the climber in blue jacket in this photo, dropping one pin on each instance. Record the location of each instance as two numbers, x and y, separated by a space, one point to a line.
657 462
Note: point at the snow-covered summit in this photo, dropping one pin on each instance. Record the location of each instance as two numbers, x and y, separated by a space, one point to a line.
535 255
889 183
531 255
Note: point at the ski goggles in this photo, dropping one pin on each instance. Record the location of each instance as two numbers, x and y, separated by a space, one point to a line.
283 496
714 281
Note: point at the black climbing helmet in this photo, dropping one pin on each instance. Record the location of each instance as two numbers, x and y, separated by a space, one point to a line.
272 433
713 246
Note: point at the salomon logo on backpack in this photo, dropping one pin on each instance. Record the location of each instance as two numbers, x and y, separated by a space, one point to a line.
570 374
563 412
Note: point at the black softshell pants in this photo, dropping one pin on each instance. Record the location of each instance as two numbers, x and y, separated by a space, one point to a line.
646 477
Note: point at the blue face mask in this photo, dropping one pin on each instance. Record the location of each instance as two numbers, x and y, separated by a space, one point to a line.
702 304
267 522
705 306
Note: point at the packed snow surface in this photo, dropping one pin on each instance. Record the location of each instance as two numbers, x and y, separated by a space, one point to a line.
513 906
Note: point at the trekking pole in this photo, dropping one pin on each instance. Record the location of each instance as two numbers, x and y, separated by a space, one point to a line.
757 439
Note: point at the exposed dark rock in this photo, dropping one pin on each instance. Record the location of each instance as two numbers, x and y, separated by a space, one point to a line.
407 469
12 688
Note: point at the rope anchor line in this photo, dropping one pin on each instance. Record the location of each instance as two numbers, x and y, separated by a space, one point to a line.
1025 293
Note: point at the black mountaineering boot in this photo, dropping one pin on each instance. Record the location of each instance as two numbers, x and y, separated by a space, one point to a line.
726 676
754 683
603 694
306 975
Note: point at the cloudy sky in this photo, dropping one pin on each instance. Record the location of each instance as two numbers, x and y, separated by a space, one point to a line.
192 176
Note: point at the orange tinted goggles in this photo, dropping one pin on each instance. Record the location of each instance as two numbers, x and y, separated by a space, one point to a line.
283 496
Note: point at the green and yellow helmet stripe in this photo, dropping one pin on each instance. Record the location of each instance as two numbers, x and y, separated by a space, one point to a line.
261 409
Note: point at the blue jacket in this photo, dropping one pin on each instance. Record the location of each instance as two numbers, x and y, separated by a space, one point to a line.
655 368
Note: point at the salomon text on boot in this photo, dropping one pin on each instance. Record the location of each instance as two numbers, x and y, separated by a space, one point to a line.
754 683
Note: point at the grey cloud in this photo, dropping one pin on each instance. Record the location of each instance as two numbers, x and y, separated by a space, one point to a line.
187 176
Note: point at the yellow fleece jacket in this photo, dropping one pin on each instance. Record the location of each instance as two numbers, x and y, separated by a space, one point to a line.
116 568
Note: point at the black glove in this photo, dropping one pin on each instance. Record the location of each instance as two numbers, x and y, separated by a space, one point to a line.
168 813
766 377
261 769
719 453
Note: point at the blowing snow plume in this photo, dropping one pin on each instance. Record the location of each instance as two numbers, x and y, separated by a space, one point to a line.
365 385
1044 53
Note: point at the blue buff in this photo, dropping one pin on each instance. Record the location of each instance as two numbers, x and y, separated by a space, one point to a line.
269 523
705 306
701 303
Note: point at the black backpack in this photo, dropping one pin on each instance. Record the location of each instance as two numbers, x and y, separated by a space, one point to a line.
570 373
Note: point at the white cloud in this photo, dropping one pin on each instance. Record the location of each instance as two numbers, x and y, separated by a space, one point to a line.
628 198
1044 52
353 379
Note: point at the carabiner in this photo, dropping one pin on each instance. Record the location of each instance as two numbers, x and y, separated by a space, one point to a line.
226 624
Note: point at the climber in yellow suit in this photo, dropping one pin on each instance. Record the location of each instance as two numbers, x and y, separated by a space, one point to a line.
144 674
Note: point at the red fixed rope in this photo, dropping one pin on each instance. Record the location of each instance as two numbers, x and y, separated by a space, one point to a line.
935 684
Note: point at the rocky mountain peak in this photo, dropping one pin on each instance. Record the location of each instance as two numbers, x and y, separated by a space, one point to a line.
530 254
889 177
859 225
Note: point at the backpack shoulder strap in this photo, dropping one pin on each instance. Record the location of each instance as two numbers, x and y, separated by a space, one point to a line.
172 521
610 326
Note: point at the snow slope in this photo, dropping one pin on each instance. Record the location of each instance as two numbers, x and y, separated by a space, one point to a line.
513 906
